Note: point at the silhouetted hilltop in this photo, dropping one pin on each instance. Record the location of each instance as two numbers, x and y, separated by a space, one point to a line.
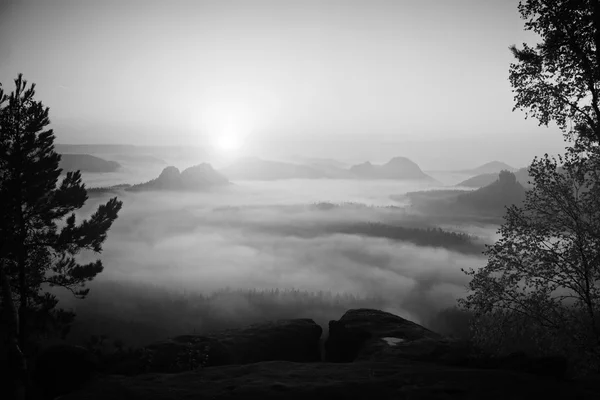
484 204
478 181
253 168
257 169
86 163
198 177
505 191
396 168
493 167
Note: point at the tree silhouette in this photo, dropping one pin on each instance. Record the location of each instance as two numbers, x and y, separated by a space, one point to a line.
39 236
541 285
543 274
558 80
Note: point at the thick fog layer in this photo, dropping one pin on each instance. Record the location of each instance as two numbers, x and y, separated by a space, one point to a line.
257 235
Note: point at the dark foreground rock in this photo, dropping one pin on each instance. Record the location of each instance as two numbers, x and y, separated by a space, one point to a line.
366 334
376 355
294 340
373 335
360 380
61 369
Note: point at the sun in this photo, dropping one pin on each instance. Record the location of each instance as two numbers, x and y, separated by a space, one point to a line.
228 144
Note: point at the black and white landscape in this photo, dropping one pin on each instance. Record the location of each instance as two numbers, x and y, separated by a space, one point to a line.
268 199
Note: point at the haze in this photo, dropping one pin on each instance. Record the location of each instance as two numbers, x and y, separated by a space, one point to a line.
353 80
351 107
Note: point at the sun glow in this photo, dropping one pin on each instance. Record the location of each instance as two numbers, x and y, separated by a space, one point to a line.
228 143
228 139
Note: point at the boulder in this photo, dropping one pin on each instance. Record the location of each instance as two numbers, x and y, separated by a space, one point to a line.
295 340
63 368
365 334
373 335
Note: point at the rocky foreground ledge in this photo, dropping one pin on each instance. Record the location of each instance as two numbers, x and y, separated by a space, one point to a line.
368 354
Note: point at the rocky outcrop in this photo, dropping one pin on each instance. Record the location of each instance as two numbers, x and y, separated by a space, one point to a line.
198 177
295 340
377 336
365 334
374 354
522 176
400 168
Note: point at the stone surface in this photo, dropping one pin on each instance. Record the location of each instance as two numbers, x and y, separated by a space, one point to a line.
387 357
61 369
359 380
360 335
286 340
373 335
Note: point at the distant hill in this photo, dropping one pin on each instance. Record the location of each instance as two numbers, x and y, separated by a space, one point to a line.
396 168
86 163
505 191
198 177
486 203
258 169
482 180
252 168
137 159
95 148
108 151
493 167
316 161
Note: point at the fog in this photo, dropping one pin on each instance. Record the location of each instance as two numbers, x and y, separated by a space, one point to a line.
245 236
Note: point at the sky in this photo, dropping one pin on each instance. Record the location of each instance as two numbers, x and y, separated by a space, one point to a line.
351 80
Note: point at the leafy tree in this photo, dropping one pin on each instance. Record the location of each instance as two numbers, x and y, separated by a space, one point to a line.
558 80
39 236
543 275
541 285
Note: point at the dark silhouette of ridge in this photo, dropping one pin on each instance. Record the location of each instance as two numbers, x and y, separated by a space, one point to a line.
506 190
478 181
492 167
253 168
198 177
86 163
396 168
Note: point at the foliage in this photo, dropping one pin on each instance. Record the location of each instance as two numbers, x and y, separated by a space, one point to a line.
493 198
40 239
542 279
558 80
541 285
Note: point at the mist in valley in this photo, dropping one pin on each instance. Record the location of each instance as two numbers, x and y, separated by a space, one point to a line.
254 251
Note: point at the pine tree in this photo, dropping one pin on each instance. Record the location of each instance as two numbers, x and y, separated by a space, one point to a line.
39 236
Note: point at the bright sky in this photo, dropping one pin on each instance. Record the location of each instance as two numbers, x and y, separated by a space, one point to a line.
345 79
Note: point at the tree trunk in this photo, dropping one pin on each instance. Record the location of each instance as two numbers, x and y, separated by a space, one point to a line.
17 360
22 334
